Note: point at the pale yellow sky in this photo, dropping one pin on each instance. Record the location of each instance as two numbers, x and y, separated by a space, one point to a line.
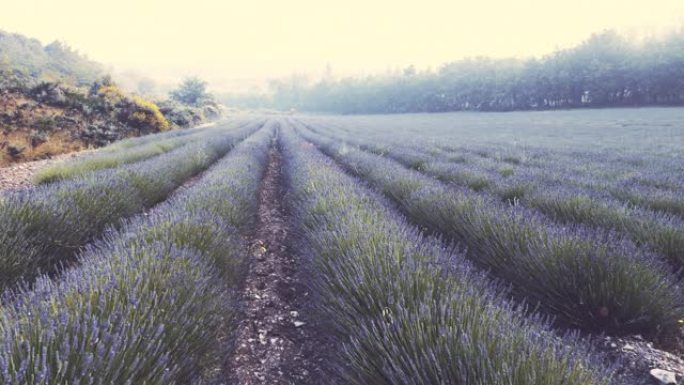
269 38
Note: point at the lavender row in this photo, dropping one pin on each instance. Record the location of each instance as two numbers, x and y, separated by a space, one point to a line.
634 180
596 281
554 195
650 188
43 228
405 309
154 303
652 182
557 199
654 185
585 202
645 168
146 139
656 171
110 159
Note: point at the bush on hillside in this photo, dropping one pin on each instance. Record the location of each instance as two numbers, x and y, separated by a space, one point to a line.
145 114
180 114
211 111
13 80
193 92
133 111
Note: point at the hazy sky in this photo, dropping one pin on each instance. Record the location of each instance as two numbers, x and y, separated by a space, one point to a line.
259 38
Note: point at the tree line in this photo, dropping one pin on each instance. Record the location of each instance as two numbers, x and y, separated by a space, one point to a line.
607 70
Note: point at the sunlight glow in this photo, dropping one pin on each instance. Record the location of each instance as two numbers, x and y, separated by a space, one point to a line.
260 38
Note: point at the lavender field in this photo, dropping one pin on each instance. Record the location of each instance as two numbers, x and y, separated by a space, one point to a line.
460 248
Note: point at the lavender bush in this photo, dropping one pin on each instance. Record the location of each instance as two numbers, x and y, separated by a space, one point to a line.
128 154
405 309
565 196
44 227
597 281
148 304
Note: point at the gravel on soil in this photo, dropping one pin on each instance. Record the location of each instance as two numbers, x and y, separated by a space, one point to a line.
19 176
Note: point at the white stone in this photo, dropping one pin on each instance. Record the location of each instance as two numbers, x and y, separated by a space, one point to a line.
664 376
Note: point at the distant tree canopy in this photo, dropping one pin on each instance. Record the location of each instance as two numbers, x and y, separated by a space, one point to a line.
193 92
606 70
27 59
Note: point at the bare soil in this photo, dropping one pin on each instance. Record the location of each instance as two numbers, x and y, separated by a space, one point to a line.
635 357
18 176
276 341
30 130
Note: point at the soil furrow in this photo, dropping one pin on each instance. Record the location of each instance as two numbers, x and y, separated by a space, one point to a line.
275 341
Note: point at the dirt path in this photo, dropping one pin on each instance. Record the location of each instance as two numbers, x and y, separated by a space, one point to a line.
275 342
18 176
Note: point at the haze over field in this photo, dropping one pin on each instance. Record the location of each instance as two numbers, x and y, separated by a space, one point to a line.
372 193
239 45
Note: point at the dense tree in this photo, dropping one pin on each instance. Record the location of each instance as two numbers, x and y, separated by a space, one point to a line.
193 92
605 70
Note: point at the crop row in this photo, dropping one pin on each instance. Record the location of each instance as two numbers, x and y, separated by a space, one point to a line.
650 182
567 204
130 154
653 185
145 139
637 179
597 281
151 304
406 309
43 228
643 169
662 171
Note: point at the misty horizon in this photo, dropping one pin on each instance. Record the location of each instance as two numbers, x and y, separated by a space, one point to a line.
240 47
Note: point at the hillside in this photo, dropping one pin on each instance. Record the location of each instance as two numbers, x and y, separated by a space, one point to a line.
54 100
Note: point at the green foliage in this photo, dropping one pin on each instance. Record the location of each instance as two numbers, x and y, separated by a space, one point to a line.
181 115
13 80
58 76
591 280
606 70
153 302
506 171
146 114
110 159
193 92
28 60
131 110
401 316
43 228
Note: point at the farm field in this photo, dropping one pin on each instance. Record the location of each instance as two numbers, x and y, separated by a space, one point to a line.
458 248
